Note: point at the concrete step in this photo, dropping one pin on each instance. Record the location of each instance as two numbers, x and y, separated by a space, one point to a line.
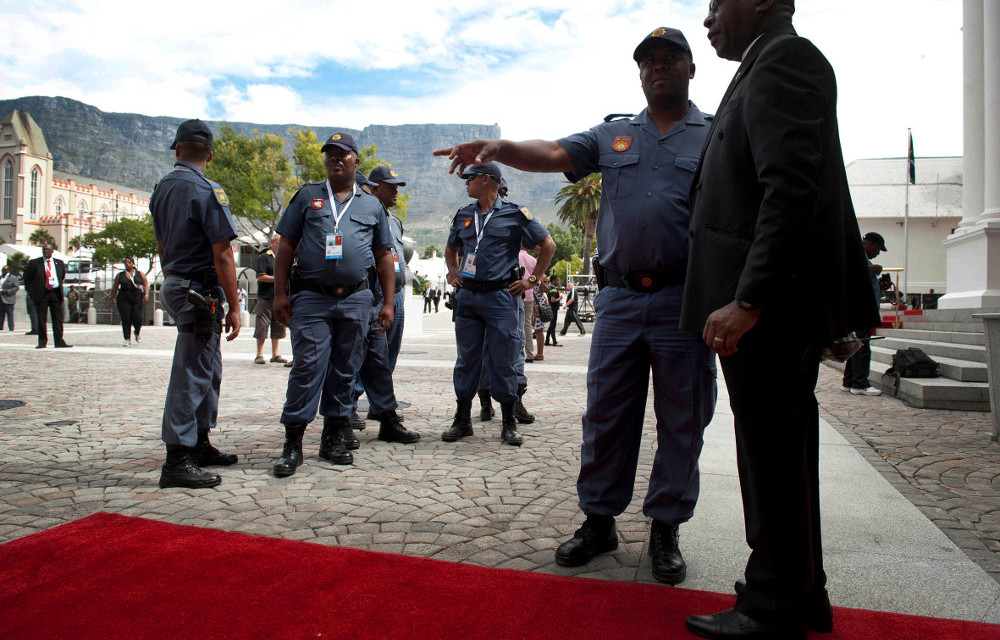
953 337
953 315
970 352
929 393
931 325
961 370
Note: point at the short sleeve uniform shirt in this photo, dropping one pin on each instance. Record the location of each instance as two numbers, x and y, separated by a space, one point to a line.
509 226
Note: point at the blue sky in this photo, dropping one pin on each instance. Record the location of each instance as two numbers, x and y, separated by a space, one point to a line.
539 69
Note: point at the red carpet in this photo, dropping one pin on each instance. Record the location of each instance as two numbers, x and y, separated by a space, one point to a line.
109 576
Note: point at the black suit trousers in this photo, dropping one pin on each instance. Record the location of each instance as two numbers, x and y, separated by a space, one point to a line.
777 453
51 303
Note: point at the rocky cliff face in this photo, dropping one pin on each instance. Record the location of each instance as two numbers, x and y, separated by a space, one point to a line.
133 150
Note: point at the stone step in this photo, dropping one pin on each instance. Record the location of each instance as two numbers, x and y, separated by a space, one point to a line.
970 352
929 393
952 315
931 325
953 337
955 369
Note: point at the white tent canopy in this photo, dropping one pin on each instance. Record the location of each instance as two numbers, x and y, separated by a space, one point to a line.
30 251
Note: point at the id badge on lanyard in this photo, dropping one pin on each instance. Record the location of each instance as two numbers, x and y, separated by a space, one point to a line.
335 240
395 260
469 268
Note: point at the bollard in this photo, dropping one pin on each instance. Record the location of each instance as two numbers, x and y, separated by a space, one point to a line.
158 318
91 315
991 323
244 318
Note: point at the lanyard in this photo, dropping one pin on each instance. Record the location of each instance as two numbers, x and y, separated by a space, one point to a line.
333 205
479 232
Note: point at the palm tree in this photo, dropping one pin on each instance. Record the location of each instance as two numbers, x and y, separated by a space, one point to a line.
580 202
39 237
76 243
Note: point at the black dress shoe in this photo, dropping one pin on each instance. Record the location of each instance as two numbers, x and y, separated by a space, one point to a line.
819 612
41 346
731 624
31 333
597 535
668 563
63 345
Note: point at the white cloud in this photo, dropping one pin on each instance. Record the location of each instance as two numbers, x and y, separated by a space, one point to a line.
898 62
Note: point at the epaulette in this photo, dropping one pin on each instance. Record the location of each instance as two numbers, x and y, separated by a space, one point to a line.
527 214
611 117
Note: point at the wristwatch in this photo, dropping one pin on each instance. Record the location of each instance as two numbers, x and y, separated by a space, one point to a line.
533 279
746 306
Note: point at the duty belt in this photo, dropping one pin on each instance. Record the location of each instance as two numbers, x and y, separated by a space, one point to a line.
207 279
485 285
335 290
643 281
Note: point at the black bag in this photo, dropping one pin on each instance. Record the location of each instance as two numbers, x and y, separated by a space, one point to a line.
914 363
544 310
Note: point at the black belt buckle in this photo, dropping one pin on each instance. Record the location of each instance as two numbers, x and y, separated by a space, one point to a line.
644 281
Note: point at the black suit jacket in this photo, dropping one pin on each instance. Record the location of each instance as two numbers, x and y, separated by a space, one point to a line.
771 214
34 277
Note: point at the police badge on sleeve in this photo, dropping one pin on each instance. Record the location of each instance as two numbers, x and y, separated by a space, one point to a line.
221 197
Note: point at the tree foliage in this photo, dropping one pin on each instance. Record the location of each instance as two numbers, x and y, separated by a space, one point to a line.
16 262
39 237
429 252
579 205
126 237
569 242
75 243
257 175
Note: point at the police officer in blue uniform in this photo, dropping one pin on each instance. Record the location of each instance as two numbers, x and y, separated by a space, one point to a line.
342 238
647 164
193 229
386 189
481 257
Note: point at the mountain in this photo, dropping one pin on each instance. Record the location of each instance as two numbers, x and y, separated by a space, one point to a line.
133 150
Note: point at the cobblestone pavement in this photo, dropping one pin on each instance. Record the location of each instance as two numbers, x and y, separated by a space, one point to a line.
944 462
87 440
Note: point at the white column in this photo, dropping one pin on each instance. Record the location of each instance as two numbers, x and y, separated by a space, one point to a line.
972 63
991 94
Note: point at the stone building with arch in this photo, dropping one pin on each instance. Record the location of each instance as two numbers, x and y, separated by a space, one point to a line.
34 196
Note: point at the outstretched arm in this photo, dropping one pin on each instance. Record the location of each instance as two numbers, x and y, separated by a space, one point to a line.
539 156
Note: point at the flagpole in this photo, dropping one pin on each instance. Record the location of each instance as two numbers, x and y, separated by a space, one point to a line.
906 220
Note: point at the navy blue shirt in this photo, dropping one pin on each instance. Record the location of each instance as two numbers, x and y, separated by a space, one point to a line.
190 214
308 219
642 224
508 228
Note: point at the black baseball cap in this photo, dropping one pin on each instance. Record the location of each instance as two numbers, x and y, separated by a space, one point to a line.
658 35
489 169
875 239
361 180
343 141
193 131
384 174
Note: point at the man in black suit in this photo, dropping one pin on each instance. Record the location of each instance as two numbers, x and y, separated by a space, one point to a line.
771 214
43 278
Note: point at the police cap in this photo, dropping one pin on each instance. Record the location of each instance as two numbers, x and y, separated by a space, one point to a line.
658 36
488 169
876 239
361 180
193 131
384 174
343 141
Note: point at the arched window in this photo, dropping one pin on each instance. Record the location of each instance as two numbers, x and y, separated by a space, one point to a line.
33 194
59 206
81 209
8 189
104 214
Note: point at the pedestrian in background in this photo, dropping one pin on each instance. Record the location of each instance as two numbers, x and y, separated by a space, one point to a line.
130 292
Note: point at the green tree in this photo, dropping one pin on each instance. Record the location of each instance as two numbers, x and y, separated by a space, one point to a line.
126 237
569 242
419 284
307 158
574 263
579 203
76 243
429 251
39 237
257 176
16 262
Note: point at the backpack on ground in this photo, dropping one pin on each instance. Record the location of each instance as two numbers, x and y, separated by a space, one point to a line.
914 363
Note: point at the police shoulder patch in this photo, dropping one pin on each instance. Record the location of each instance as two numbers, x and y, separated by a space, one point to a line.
621 143
317 203
220 196
527 214
467 223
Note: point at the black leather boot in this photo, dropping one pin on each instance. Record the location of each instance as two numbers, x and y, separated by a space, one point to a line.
486 411
374 415
346 433
462 426
179 470
331 442
508 431
521 414
664 549
205 455
356 422
291 454
596 536
390 429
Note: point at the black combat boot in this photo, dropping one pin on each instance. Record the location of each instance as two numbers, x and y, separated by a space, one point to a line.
520 413
179 470
205 455
331 442
375 415
346 432
508 431
356 422
486 411
390 429
668 563
462 426
596 536
291 454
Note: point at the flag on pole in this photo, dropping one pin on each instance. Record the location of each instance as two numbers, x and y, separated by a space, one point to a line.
911 165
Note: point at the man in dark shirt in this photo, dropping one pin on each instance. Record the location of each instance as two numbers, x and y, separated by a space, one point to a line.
265 301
